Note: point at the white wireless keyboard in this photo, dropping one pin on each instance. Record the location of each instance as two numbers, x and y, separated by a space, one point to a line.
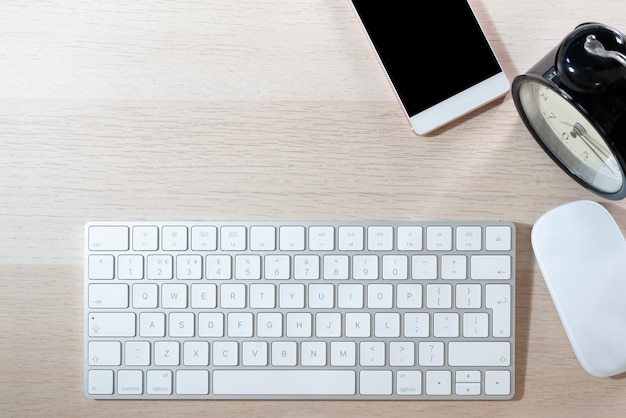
332 310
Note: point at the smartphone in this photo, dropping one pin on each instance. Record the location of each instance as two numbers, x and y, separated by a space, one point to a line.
436 57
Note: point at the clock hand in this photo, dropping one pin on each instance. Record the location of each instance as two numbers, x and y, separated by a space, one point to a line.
579 130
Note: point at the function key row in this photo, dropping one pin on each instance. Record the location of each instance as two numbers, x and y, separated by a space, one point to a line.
298 238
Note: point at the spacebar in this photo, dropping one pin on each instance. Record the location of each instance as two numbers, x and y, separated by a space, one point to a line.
284 382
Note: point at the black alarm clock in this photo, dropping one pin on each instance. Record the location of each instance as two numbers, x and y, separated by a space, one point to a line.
573 101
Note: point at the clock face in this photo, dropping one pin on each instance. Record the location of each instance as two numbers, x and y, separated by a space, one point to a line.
570 137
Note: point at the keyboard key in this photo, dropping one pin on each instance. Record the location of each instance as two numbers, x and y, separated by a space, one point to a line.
439 296
453 267
174 295
358 324
365 267
490 267
204 238
475 324
130 267
497 382
110 295
375 382
291 296
145 238
439 238
417 324
409 382
306 267
192 382
446 324
402 353
105 353
424 267
247 267
284 382
284 353
233 296
160 267
166 353
468 238
430 353
112 324
468 296
379 296
211 324
254 353
233 238
181 324
343 353
145 295
498 238
336 267
101 267
350 296
203 295
262 238
291 238
189 267
380 238
299 325
196 353
278 267
409 238
137 353
225 353
321 238
152 324
479 353
108 238
100 382
386 324
395 267
174 238
499 300
438 382
130 382
218 267
372 353
409 296
350 238
159 382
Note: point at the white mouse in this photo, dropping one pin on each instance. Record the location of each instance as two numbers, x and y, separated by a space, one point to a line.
582 255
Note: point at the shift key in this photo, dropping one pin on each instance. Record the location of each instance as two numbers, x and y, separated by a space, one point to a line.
479 353
111 324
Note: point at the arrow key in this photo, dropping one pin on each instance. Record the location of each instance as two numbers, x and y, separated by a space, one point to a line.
468 389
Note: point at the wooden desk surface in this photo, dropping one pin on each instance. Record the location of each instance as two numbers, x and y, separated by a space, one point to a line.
223 110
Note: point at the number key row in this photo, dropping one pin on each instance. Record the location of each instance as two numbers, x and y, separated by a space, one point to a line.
300 267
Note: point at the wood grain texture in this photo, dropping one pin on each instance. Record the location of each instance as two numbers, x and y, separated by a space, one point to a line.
221 110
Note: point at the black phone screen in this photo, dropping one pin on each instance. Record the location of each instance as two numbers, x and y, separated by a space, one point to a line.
430 52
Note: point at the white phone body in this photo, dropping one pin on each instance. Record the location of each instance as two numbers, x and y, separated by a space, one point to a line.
436 57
